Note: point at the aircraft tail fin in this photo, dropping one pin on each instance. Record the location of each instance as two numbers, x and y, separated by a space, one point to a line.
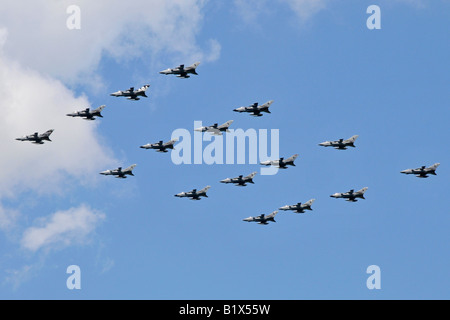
251 175
267 104
204 189
310 202
194 66
226 124
144 87
352 138
99 109
130 168
292 158
363 190
46 135
434 166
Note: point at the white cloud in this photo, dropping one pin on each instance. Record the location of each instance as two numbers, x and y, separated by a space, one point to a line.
35 71
123 31
17 276
62 228
251 10
32 103
40 57
8 218
306 8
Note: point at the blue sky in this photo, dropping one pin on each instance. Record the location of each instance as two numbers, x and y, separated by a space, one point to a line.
330 77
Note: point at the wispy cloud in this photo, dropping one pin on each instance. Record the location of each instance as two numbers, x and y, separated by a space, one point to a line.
148 27
62 229
306 8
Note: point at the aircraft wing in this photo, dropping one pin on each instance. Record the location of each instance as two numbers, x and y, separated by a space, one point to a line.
214 131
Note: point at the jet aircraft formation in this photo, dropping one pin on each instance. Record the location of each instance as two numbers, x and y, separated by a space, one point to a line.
215 129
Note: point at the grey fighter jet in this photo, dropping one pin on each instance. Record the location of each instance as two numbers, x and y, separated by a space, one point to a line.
160 146
281 163
182 71
423 171
351 195
37 138
299 207
88 114
194 194
340 144
215 129
255 109
241 180
262 219
119 172
132 94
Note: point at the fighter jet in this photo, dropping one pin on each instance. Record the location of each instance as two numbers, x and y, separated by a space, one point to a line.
262 219
87 114
299 207
423 171
119 173
160 146
215 129
255 109
281 163
241 180
351 195
181 71
37 138
132 94
340 144
194 194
